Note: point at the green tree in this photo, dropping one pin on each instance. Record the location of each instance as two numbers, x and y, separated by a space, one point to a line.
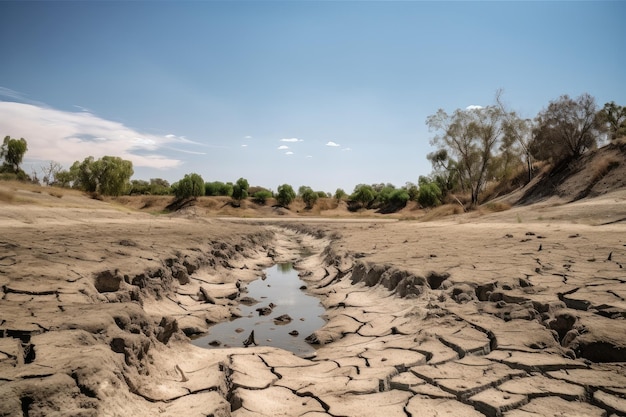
12 151
412 190
63 179
363 194
615 117
384 193
139 187
567 128
340 194
261 196
445 172
399 197
285 195
191 186
240 190
109 175
84 175
308 196
218 188
429 194
159 186
114 175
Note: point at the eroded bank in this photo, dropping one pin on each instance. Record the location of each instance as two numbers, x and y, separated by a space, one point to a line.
103 332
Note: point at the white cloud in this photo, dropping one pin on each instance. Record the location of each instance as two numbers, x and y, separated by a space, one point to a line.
244 145
288 153
248 137
346 149
473 107
281 147
70 136
333 144
309 156
292 140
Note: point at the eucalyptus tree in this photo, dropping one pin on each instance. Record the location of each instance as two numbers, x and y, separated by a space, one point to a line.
614 116
12 151
471 137
567 128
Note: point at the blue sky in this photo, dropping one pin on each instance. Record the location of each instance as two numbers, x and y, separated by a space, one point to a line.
326 94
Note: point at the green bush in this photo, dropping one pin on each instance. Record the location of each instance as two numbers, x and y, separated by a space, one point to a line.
261 197
399 198
363 194
192 185
309 197
240 190
285 195
429 195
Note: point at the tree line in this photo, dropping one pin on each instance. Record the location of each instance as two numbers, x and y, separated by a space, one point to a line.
474 147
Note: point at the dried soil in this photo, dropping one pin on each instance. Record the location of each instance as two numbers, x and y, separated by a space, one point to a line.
518 313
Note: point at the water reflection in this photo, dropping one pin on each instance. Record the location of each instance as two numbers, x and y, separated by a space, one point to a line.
283 316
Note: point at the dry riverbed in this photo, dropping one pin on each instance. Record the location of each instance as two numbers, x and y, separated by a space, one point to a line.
520 313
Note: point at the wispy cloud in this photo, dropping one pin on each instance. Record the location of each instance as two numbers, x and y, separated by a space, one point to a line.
70 136
17 96
346 149
281 147
332 144
248 137
245 145
309 156
292 140
473 107
288 153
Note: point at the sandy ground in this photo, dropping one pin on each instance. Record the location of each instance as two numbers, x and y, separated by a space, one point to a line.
517 313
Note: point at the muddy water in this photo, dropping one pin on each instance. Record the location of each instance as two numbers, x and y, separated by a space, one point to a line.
280 291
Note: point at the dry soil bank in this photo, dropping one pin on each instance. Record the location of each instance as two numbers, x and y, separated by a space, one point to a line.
519 313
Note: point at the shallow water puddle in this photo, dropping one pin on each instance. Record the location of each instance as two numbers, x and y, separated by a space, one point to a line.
277 294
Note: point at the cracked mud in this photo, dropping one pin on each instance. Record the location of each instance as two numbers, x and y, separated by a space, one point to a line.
488 318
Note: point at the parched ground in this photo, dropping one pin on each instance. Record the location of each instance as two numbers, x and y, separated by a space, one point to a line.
518 313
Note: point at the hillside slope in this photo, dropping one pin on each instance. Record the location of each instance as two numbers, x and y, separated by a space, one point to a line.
595 173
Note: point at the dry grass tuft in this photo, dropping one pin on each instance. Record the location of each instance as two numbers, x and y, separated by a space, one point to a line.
442 211
602 166
494 207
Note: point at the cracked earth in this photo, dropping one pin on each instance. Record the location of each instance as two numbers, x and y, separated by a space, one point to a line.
478 316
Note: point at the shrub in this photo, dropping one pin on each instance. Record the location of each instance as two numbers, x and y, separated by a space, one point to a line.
192 185
240 190
399 198
363 194
309 197
261 197
340 194
429 195
285 195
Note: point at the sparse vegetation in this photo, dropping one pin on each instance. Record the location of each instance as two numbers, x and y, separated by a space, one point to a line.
483 153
